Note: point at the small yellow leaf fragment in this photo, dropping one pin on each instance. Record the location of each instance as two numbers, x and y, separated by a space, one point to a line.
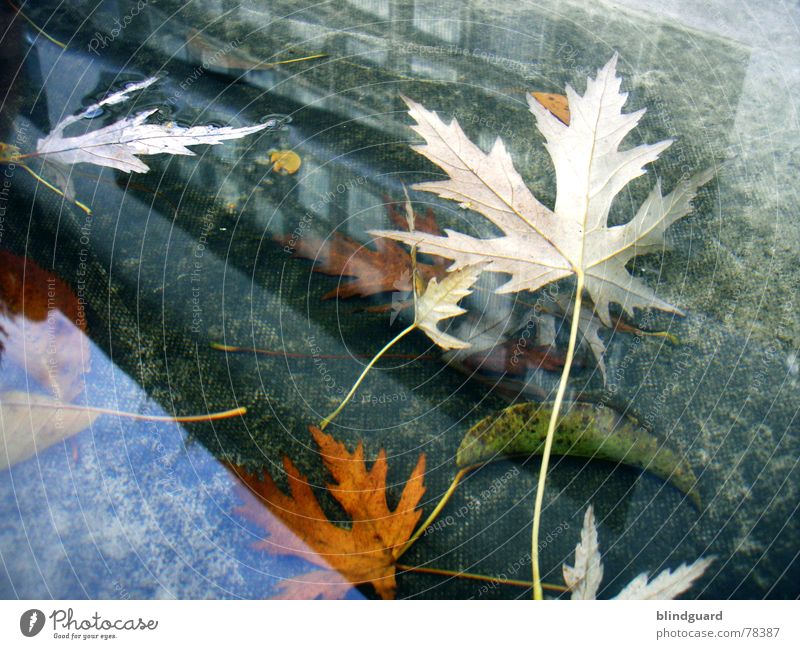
8 152
285 161
556 104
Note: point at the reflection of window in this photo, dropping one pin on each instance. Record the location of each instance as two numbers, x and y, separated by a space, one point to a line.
370 51
377 7
314 187
365 211
250 7
506 49
438 18
428 68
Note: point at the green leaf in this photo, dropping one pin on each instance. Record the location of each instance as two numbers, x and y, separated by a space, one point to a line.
584 430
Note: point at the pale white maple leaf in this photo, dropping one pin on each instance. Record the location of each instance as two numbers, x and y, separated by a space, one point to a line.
539 245
584 578
667 584
439 302
118 145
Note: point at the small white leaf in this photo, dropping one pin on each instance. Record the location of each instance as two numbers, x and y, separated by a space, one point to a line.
584 578
440 302
118 145
589 326
668 584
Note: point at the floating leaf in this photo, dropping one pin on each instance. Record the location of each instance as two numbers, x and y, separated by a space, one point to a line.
118 145
584 578
360 554
583 431
30 423
285 161
538 245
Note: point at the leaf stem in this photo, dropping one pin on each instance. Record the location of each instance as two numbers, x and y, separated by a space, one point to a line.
436 511
185 419
551 429
369 366
85 208
35 26
311 57
623 326
233 349
471 575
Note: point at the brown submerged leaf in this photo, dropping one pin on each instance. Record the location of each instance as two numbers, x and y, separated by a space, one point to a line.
385 269
42 327
388 268
510 359
24 290
297 525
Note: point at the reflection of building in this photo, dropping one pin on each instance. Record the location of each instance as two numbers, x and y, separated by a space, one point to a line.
475 59
464 59
349 127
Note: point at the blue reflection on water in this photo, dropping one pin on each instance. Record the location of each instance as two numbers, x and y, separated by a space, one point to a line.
130 509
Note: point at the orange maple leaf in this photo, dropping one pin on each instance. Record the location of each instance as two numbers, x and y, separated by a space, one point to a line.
24 289
297 526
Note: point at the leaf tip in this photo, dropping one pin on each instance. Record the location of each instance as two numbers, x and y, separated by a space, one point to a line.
412 105
611 66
